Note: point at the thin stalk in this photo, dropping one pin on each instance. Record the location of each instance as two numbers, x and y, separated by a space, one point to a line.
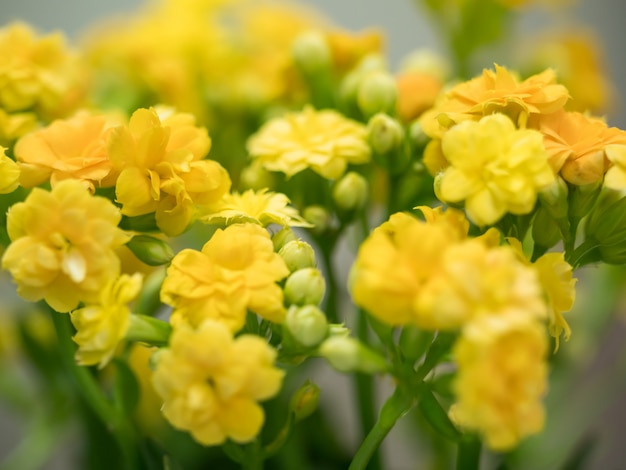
468 456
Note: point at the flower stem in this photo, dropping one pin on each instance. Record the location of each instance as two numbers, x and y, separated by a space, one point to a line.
396 406
468 456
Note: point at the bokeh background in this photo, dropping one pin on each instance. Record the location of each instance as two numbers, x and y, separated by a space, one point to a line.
406 28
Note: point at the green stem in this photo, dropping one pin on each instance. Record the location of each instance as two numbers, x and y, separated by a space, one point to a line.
90 391
327 247
396 406
252 458
468 456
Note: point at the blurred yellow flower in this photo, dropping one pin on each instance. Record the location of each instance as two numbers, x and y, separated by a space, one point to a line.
37 74
476 280
237 270
71 148
9 173
494 167
501 379
324 141
576 145
101 326
348 48
15 125
498 91
62 245
159 157
258 207
211 383
394 265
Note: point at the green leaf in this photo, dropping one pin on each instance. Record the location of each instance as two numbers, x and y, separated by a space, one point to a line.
436 416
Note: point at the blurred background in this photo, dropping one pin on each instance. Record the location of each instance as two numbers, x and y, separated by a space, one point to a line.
407 27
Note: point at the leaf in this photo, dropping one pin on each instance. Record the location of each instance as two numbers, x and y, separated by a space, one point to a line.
436 416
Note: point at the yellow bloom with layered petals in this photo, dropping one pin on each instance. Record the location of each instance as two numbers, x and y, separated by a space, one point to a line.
237 270
394 264
501 379
324 141
62 245
9 173
159 158
211 383
475 280
71 148
258 207
100 327
494 167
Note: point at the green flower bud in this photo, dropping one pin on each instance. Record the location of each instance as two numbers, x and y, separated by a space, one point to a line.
377 93
607 223
338 329
307 325
282 237
150 250
317 216
546 232
350 192
582 199
554 198
347 354
311 52
418 136
305 287
384 133
304 401
255 177
297 254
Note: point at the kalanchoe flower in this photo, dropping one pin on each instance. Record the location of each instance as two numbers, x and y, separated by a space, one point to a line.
261 207
73 148
501 379
100 327
211 383
9 173
494 167
159 157
62 245
324 141
236 270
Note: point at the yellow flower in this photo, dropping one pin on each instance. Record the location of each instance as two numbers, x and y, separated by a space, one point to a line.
62 245
494 167
394 264
496 91
501 379
159 160
72 148
236 270
348 48
324 141
261 207
100 327
576 145
9 173
15 125
211 383
37 73
475 280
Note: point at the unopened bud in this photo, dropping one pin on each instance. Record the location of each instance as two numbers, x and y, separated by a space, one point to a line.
384 133
347 354
419 138
311 52
305 287
307 325
255 177
150 250
297 254
350 192
546 232
304 401
282 237
582 199
554 198
377 93
317 216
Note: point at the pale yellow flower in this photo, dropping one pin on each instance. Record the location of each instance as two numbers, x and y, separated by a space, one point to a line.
494 167
15 125
501 379
100 327
9 173
258 207
324 141
62 245
615 177
211 383
237 270
71 148
159 158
